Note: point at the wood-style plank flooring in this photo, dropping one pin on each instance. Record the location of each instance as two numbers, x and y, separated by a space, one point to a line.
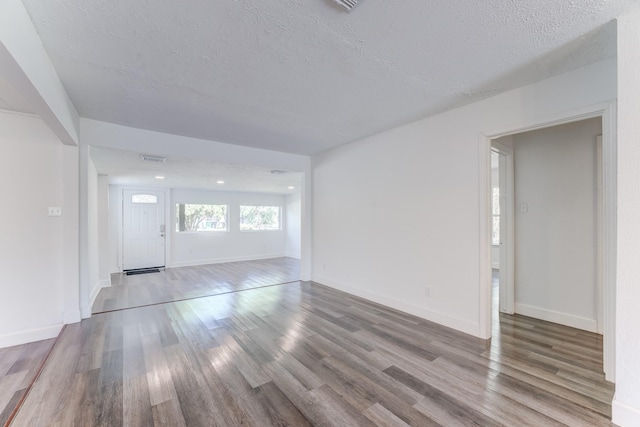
181 283
303 354
18 367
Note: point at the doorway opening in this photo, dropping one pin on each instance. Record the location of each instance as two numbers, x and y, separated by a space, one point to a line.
600 315
502 232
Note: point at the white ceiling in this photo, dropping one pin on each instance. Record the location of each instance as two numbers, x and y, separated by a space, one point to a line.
128 169
304 76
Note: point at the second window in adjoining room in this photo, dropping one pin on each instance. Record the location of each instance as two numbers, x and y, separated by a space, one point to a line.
259 218
199 217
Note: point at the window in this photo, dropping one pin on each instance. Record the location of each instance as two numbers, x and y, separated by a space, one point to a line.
495 218
195 217
259 218
144 198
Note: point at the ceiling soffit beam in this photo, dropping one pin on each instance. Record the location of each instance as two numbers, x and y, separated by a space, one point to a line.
26 66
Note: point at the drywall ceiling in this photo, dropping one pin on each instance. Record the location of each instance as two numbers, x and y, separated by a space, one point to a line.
128 169
304 76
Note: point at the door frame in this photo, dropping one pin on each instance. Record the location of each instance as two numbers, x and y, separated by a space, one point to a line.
607 111
167 217
507 228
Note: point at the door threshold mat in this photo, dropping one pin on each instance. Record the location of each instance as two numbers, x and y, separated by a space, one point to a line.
145 271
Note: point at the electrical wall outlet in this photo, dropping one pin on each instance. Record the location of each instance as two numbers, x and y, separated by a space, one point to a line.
55 211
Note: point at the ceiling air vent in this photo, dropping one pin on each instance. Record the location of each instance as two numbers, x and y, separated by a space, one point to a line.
277 172
348 4
153 159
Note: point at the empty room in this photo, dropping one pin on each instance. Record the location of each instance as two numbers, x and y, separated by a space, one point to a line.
286 213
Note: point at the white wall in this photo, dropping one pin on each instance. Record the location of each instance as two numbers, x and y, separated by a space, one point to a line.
555 240
626 404
93 253
104 277
397 212
293 223
232 245
97 234
37 257
71 231
115 229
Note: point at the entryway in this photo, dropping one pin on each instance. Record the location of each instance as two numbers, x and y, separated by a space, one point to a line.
143 229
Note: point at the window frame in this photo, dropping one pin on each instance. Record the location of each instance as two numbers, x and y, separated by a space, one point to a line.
278 207
153 197
177 230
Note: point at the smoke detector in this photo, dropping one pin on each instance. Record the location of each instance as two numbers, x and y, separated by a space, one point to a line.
153 159
348 4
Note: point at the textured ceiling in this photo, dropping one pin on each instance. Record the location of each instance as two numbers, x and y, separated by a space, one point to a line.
128 169
304 76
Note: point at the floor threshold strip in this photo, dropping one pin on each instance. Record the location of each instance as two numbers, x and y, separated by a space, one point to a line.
192 298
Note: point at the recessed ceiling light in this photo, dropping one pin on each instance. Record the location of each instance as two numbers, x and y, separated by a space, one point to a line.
291 187
220 181
159 177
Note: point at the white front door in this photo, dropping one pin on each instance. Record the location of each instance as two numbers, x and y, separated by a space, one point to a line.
143 226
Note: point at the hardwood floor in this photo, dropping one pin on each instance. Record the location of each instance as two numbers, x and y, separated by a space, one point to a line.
303 354
19 365
181 283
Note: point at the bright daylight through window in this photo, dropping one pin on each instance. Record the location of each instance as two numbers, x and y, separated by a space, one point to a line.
259 218
495 210
144 198
196 217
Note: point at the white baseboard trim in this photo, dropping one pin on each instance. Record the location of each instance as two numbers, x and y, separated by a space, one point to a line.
624 415
196 262
578 322
86 311
73 316
30 335
292 255
461 325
